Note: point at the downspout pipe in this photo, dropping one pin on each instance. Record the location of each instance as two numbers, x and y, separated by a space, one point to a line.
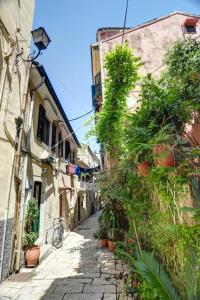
18 154
24 177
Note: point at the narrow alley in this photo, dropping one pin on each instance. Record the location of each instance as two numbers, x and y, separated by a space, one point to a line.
79 270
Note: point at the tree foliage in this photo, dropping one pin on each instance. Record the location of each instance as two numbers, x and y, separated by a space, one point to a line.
121 75
153 204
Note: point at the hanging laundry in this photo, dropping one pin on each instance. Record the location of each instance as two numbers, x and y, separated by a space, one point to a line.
77 170
70 168
84 170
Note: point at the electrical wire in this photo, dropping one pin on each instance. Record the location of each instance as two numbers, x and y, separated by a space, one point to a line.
66 88
125 17
71 134
83 115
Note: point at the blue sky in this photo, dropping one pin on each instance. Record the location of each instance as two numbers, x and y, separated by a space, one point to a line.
72 27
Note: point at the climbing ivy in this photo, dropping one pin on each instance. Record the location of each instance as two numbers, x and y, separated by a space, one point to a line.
121 75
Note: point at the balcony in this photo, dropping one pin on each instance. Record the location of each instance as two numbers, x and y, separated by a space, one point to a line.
86 186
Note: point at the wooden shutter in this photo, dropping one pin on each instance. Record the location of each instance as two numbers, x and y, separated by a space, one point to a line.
41 123
67 150
60 146
47 129
53 139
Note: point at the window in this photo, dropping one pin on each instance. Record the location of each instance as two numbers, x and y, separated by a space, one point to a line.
43 126
73 157
60 145
53 139
67 150
190 29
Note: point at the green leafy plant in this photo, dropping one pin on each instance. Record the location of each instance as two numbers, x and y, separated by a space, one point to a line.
32 214
154 274
121 75
102 233
152 206
29 239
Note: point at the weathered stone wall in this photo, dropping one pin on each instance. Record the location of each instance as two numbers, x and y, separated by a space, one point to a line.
8 245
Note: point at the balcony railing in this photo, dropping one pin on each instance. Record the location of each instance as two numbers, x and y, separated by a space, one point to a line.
90 186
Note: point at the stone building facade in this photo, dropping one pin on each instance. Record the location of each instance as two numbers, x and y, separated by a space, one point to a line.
52 143
150 42
15 33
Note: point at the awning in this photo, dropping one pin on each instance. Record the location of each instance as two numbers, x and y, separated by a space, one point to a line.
191 21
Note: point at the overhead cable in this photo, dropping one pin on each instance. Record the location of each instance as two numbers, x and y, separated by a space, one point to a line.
125 17
83 115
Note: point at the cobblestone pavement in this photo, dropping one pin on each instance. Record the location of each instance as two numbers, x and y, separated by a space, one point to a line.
80 270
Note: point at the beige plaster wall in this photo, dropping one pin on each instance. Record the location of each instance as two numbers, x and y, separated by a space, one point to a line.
14 16
55 182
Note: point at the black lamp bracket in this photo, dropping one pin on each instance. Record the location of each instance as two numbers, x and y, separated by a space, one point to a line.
31 57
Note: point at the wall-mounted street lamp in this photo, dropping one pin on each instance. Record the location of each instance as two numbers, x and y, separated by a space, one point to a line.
41 41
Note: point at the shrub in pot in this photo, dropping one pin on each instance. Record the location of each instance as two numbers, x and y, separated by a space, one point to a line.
112 238
143 168
142 158
163 147
102 236
165 155
32 251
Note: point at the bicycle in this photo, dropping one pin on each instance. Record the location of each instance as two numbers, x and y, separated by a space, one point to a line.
58 233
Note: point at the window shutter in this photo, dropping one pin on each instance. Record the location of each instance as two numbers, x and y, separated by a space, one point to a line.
47 128
41 123
73 157
67 150
53 140
60 146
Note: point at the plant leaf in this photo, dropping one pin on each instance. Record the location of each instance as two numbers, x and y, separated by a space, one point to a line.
156 276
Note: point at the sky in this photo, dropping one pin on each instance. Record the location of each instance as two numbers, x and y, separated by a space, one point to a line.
72 26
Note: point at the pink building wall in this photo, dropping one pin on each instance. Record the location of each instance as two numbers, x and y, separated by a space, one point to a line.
150 42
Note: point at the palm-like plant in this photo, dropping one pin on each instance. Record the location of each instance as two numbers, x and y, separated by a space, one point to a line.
191 277
156 276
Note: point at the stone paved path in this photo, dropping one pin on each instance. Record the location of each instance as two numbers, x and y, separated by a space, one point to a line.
80 270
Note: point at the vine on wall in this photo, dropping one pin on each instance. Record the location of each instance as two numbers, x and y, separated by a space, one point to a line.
162 206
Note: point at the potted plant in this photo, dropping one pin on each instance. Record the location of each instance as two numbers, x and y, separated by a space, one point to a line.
112 238
32 251
113 230
142 157
102 236
163 147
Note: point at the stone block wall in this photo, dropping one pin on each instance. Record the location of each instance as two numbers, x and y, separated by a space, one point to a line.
8 246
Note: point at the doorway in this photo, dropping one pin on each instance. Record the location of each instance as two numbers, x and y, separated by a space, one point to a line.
37 196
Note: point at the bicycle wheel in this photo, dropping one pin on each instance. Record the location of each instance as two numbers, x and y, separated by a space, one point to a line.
57 239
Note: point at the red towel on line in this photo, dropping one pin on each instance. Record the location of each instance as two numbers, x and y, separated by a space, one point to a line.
71 168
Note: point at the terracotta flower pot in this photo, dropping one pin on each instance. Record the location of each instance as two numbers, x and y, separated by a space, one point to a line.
111 245
165 156
103 243
32 256
143 168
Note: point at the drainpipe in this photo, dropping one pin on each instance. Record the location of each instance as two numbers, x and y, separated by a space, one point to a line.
18 154
24 177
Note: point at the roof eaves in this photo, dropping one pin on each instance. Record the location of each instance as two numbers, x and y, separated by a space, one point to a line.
147 23
43 73
111 28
